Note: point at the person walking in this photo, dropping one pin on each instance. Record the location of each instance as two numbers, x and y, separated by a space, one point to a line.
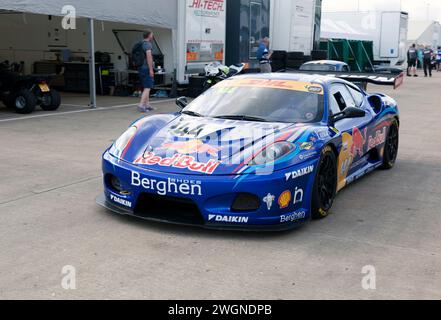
412 61
264 56
143 59
427 53
438 59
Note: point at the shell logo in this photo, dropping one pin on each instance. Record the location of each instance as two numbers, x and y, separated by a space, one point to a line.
285 199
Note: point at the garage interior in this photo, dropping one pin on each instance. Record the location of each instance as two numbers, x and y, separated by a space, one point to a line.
36 44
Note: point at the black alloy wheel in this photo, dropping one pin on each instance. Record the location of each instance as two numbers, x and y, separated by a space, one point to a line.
391 147
325 185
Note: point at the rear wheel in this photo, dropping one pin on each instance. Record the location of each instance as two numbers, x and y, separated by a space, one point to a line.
325 185
50 101
24 101
391 147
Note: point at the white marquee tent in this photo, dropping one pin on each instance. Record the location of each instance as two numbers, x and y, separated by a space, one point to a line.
153 13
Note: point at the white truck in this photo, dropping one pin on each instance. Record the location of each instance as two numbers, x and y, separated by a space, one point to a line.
387 29
201 39
292 25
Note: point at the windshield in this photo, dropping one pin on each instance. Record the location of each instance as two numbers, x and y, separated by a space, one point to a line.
261 100
318 67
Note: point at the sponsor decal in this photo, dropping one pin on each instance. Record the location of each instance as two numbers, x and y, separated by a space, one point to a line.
314 89
170 186
228 219
307 155
293 217
285 199
299 173
298 196
190 147
322 134
306 146
178 161
274 84
379 139
121 201
358 142
269 200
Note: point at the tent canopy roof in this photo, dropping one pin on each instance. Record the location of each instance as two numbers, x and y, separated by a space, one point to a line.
417 28
162 14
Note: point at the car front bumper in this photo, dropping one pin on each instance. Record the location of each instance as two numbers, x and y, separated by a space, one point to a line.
284 199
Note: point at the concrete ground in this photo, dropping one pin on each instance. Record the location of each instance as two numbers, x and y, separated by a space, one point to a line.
50 175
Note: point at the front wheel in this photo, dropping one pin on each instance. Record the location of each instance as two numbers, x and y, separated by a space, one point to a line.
391 147
51 101
325 185
24 101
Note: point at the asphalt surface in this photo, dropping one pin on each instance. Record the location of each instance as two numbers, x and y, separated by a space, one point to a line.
50 176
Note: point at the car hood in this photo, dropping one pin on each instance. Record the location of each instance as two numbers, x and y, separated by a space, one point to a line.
183 144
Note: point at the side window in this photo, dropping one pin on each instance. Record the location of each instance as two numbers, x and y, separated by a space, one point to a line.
358 96
333 105
345 69
342 97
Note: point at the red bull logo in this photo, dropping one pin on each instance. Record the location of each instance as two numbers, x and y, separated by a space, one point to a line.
178 161
359 142
190 147
379 139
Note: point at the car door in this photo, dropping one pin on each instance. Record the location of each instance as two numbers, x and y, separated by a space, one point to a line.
353 151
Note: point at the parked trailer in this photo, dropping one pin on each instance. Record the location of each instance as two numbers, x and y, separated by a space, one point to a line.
387 29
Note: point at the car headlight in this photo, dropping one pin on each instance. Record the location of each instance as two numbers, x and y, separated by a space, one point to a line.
121 144
272 153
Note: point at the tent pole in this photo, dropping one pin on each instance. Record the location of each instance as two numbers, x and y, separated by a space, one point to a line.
92 72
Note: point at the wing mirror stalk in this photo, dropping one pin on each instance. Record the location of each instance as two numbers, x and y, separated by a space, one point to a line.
348 113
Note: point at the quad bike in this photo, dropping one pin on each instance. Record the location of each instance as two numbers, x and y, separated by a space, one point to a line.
24 93
216 72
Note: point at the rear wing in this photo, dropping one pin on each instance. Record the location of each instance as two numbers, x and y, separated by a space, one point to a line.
389 78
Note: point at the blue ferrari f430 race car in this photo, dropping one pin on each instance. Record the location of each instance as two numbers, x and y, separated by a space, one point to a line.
255 152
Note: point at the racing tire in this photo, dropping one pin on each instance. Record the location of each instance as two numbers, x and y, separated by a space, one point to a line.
391 147
51 101
325 185
24 101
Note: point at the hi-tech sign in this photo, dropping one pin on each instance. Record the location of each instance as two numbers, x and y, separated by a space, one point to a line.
207 8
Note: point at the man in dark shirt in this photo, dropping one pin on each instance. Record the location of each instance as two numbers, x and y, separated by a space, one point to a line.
428 61
412 58
146 73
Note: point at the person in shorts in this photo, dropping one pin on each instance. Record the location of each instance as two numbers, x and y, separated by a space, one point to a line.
146 73
412 61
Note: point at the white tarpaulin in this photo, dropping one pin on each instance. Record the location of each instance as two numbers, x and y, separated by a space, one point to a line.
153 13
332 29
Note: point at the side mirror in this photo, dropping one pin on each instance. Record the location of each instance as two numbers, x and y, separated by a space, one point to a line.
349 113
181 102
